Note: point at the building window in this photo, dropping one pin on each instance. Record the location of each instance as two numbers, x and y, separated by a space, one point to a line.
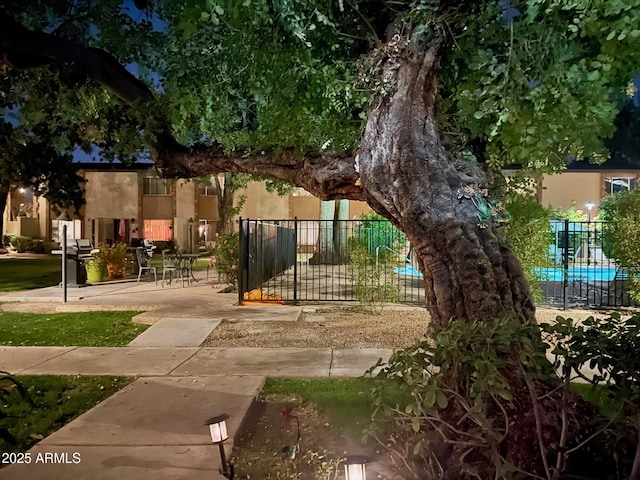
156 186
207 230
619 184
158 230
207 190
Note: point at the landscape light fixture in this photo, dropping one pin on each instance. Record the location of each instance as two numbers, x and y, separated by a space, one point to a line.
354 467
589 206
218 431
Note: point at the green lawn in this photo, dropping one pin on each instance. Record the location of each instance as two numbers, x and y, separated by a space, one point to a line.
345 401
48 403
29 273
86 329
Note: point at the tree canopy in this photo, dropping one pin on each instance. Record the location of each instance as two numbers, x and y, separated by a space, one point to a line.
519 82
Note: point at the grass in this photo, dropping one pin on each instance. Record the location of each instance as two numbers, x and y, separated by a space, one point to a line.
599 396
345 401
85 329
49 403
29 273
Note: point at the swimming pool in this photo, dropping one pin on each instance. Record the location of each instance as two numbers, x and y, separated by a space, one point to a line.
408 271
584 273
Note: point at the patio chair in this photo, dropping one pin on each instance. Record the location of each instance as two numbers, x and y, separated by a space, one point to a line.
171 265
143 264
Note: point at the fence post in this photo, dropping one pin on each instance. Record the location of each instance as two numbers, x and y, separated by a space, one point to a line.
295 260
565 266
242 261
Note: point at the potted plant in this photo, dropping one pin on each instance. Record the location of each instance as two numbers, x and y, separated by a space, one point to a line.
117 257
96 270
96 267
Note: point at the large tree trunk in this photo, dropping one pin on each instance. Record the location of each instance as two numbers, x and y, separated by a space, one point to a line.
410 178
332 236
227 206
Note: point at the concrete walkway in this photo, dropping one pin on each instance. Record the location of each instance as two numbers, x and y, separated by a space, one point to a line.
154 428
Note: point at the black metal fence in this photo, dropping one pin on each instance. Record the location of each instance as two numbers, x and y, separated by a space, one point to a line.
580 271
311 261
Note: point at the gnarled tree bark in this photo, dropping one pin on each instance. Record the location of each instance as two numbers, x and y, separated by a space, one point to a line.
410 178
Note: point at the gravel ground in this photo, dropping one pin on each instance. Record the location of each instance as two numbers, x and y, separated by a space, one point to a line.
344 328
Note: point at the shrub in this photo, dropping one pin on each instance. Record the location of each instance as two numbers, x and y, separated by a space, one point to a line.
225 256
8 385
20 244
117 256
608 347
481 400
374 280
620 213
36 246
528 233
460 409
379 235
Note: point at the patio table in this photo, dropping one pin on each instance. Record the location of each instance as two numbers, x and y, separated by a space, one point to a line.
186 263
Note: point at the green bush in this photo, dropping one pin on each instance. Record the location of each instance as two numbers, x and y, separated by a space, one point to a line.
24 244
374 280
118 258
609 348
481 400
459 406
36 246
379 235
620 213
528 233
20 244
225 256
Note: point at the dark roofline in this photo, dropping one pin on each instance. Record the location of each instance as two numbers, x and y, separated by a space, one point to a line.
616 162
112 166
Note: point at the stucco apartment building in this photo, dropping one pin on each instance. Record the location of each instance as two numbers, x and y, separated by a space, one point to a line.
132 203
584 183
126 203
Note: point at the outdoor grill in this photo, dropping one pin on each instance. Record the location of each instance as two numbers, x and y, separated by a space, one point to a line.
78 251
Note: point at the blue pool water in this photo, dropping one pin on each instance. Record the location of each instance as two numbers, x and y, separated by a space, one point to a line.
409 271
590 274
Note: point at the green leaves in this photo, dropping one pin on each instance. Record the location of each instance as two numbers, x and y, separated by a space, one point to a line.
561 91
607 347
455 390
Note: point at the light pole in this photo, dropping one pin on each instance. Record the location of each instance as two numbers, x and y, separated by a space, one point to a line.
589 206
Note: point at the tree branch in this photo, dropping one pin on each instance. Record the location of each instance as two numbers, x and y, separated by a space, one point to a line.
327 176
